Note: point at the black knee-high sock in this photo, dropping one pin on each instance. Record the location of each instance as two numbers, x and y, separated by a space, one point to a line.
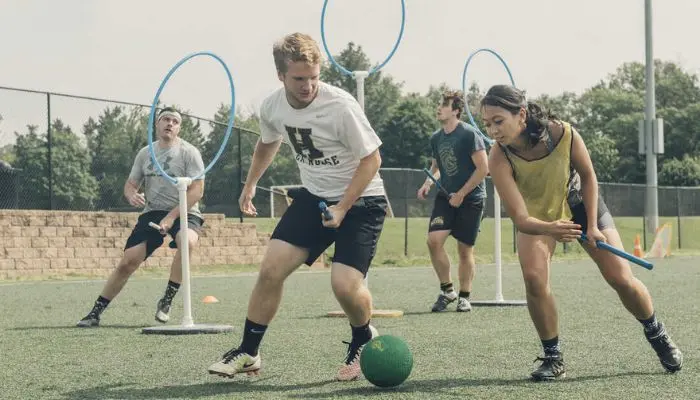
551 346
252 336
361 334
171 291
100 304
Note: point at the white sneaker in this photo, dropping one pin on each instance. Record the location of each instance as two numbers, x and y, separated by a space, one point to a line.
235 362
443 300
350 370
463 305
163 311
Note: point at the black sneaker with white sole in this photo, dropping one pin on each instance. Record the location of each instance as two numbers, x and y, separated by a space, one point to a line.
670 356
552 367
89 321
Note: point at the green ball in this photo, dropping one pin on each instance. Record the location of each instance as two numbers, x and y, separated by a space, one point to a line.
386 361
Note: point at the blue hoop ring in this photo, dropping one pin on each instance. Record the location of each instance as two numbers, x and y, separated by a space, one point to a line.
464 87
151 119
378 67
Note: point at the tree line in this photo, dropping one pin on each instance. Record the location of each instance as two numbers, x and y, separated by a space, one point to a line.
89 166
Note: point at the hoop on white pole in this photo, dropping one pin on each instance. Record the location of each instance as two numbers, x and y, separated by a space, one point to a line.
188 326
360 77
499 301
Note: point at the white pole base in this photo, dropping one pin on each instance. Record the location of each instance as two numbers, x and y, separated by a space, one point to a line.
193 329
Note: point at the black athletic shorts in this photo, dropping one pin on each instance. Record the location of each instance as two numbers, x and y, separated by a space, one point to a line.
143 232
463 222
579 216
355 239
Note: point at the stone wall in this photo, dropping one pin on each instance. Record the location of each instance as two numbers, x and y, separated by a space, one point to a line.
59 243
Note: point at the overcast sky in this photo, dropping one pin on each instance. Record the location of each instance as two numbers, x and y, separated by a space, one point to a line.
122 49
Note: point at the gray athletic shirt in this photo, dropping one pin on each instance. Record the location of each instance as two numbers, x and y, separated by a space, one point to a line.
181 160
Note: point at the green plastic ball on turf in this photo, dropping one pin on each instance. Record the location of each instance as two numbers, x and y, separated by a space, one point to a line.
386 361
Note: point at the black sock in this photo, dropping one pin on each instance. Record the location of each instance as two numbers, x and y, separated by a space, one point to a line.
651 324
171 291
446 287
100 304
361 334
252 336
464 294
551 346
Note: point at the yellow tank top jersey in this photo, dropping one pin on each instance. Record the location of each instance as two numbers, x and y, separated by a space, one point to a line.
543 183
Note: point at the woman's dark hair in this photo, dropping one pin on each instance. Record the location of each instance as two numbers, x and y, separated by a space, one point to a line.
513 99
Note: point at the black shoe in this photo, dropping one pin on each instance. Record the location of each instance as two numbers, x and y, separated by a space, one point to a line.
552 368
163 311
443 300
670 356
90 321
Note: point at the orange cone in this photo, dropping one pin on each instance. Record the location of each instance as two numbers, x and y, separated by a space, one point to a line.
210 299
637 247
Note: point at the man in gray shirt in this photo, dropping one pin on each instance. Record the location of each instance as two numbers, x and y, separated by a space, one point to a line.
159 200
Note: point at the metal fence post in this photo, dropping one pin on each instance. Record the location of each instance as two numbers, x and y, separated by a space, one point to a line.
240 175
405 216
49 144
678 214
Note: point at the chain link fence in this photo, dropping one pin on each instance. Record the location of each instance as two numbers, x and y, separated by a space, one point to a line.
65 152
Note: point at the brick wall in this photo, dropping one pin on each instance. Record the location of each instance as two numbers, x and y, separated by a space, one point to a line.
58 243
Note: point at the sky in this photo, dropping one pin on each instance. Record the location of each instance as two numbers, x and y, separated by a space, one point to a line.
122 49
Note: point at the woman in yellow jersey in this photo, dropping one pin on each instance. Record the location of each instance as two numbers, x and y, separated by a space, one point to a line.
543 172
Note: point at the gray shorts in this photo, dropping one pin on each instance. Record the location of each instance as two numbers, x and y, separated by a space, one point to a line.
605 219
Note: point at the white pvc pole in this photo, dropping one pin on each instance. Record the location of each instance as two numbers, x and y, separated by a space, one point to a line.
360 79
182 184
360 83
497 243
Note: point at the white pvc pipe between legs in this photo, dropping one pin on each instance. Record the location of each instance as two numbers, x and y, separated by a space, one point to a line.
497 244
182 185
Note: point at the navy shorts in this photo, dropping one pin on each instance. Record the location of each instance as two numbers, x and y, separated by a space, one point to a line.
355 239
143 232
463 222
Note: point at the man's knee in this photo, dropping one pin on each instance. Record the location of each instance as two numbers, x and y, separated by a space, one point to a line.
129 263
346 281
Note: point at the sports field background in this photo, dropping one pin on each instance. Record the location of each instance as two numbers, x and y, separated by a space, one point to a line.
487 353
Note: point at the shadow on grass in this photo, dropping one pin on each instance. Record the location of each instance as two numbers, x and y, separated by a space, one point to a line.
200 390
39 328
244 385
446 386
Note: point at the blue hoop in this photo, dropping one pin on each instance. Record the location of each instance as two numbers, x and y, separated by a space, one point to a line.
151 118
464 88
378 67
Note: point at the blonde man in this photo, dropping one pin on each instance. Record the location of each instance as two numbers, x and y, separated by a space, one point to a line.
337 152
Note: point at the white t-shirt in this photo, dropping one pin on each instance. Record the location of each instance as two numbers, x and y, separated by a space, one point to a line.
328 137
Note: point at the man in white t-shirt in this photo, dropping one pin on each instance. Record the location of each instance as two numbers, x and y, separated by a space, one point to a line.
338 156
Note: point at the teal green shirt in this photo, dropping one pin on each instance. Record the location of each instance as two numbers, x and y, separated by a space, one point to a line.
453 153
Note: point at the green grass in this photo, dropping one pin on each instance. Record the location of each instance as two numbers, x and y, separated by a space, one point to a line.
483 354
398 248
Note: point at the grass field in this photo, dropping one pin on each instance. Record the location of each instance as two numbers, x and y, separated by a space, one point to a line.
396 248
485 354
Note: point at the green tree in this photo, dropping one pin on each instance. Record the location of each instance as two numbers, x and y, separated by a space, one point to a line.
114 139
683 172
74 187
381 91
406 134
